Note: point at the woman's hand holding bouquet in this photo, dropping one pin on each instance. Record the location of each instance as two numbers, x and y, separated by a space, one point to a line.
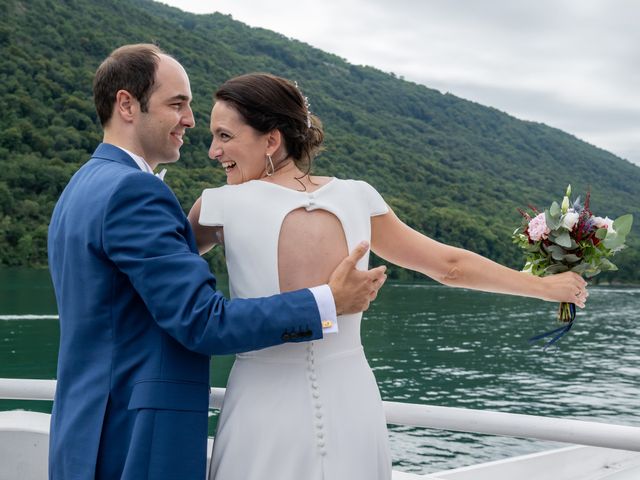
569 238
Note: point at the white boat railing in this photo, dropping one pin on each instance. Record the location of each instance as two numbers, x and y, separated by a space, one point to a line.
577 432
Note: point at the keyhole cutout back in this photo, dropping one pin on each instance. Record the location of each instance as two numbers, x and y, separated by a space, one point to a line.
311 244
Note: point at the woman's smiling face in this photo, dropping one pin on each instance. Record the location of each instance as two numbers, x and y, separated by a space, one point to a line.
240 149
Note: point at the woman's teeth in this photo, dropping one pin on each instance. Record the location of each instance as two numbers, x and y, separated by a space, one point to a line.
228 165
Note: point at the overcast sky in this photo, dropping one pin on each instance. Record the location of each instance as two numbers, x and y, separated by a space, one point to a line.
572 64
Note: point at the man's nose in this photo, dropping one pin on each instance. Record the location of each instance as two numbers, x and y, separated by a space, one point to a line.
189 120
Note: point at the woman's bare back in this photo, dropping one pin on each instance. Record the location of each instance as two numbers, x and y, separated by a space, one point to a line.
311 243
310 247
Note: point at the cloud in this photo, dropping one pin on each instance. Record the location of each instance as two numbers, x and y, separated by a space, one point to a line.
573 64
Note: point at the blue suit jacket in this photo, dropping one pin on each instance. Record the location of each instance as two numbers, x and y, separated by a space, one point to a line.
139 317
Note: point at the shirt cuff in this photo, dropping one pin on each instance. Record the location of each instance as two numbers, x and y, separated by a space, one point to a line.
326 307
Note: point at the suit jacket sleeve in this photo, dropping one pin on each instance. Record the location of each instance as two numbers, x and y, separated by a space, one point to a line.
147 236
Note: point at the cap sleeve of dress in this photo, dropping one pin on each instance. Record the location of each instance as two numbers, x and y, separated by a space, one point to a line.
375 202
212 207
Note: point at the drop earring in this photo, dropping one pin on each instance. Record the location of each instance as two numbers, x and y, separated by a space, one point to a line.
269 168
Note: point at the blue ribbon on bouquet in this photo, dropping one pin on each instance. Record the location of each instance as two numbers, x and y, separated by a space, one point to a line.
558 332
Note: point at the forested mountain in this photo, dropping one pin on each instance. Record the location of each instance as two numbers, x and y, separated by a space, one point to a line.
451 168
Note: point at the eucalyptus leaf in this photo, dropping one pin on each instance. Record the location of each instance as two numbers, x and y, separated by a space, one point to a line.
581 268
622 225
613 241
571 258
552 223
601 233
606 265
554 211
556 268
557 252
564 240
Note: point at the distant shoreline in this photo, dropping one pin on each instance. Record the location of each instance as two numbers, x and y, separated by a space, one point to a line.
413 281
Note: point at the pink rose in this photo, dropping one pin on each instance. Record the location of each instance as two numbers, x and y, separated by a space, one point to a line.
538 228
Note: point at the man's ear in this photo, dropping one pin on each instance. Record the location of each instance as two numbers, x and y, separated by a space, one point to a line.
126 106
274 141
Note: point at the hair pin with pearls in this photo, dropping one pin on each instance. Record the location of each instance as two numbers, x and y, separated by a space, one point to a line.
307 105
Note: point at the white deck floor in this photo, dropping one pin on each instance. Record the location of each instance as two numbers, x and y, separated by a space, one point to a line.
570 463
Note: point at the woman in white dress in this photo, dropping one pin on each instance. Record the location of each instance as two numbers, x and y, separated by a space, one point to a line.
311 411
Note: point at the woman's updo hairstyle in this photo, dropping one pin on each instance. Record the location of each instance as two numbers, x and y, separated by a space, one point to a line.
267 102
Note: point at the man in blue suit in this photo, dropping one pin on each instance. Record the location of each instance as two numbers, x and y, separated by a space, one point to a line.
139 313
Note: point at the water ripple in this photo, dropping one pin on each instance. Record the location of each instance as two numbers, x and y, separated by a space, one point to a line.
472 352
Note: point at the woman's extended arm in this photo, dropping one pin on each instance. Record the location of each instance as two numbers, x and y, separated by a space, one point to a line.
206 237
397 243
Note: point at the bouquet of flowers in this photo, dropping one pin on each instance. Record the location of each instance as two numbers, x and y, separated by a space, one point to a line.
568 237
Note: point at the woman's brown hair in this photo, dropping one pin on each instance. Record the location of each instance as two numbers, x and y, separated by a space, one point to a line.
267 102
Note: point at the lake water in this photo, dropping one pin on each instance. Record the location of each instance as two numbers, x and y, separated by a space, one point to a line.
426 344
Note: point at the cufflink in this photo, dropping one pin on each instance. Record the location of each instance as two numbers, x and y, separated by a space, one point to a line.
327 324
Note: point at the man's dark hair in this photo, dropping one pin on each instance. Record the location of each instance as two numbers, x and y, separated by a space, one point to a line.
131 68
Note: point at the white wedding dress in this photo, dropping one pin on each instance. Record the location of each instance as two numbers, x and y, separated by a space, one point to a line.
298 411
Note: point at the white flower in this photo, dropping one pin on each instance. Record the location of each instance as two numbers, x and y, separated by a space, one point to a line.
605 222
570 219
